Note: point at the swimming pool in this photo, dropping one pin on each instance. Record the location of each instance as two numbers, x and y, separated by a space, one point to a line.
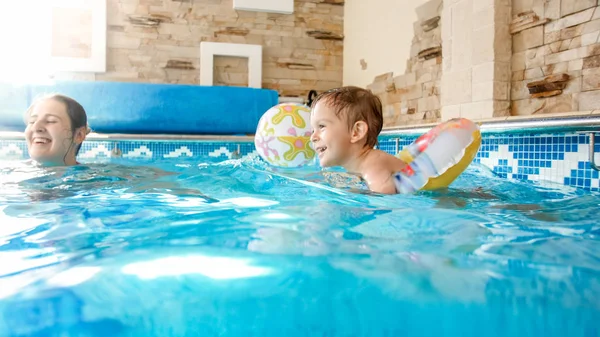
162 243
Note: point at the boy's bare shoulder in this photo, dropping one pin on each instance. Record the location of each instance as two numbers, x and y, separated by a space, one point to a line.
379 170
385 161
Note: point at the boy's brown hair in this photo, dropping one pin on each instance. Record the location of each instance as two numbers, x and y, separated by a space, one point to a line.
357 104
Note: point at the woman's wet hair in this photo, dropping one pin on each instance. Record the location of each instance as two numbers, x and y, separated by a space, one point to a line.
75 111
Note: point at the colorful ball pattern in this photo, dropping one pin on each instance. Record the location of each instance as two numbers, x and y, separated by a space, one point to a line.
283 136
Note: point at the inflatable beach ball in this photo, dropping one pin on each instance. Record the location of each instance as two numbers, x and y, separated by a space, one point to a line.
283 136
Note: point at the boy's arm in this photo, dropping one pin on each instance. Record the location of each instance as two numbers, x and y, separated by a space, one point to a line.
381 181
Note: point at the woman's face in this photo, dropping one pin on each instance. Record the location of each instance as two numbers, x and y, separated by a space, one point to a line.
50 140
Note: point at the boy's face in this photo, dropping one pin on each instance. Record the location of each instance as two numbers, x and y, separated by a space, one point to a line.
331 137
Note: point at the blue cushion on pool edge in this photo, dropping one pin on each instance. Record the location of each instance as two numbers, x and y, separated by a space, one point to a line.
144 108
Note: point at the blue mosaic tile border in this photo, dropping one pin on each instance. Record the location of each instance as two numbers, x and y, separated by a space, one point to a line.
558 158
144 150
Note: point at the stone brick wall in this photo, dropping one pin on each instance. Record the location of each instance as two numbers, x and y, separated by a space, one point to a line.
477 55
158 41
414 97
556 56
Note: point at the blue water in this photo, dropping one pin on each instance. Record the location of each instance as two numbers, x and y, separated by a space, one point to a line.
235 248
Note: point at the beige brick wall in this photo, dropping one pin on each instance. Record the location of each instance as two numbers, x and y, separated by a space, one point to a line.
556 56
499 58
158 41
414 97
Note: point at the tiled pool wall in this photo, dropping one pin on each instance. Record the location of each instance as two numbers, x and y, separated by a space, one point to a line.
558 157
144 150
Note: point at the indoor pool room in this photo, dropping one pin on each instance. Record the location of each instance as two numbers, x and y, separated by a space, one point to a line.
338 168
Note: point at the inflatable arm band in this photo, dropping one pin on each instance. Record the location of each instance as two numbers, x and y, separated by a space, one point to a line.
439 156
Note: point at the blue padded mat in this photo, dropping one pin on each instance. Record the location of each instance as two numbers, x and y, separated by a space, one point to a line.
143 108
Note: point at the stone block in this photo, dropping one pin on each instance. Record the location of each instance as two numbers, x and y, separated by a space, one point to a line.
501 108
520 6
466 111
410 92
534 73
572 6
518 75
529 38
570 20
571 32
591 50
462 36
556 78
591 79
484 17
178 30
446 29
562 103
535 57
483 47
416 115
121 40
450 112
431 62
591 62
433 116
596 13
531 106
431 88
538 7
575 65
573 43
429 103
388 78
524 21
424 75
480 5
519 90
503 12
490 90
552 9
388 112
589 100
501 91
405 80
525 107
518 61
551 37
483 73
477 110
483 91
456 87
575 83
429 10
556 68
553 47
502 71
590 38
590 27
565 56
502 45
392 97
415 48
431 24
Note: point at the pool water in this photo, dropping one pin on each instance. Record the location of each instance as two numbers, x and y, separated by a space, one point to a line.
236 248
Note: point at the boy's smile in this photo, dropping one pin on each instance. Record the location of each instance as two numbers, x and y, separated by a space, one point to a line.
331 137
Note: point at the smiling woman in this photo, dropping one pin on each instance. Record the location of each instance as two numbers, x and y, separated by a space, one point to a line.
56 127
